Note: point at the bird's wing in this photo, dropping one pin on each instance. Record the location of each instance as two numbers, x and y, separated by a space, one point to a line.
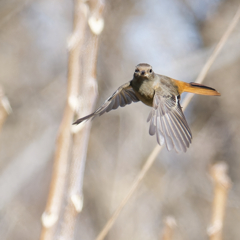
123 96
167 121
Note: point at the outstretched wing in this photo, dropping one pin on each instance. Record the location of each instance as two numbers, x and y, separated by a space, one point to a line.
123 96
167 121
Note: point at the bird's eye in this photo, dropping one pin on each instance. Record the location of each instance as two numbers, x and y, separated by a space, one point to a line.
150 70
137 70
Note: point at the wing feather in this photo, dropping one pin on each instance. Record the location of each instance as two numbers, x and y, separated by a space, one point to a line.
123 96
168 122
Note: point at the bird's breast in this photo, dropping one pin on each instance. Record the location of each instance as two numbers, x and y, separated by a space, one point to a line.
144 92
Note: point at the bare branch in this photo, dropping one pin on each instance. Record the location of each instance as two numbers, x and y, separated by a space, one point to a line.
157 149
51 214
214 55
5 107
170 224
222 183
80 139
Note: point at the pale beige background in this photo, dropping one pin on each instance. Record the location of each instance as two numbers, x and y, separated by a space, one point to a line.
175 37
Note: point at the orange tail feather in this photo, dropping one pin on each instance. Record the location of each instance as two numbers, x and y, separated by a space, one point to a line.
200 89
196 88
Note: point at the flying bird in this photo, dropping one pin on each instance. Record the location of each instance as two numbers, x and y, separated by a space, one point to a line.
163 95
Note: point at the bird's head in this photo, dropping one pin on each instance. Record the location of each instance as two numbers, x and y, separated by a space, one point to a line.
143 70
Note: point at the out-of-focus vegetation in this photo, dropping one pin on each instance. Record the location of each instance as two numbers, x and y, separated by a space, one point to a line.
175 37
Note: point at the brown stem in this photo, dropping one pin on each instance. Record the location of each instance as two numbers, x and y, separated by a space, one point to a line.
222 183
51 214
169 226
80 139
5 107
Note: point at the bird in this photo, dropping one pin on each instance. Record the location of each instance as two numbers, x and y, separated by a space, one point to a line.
163 95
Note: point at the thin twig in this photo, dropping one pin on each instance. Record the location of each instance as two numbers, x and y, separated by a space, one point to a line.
80 138
169 225
51 214
214 55
5 107
222 183
157 149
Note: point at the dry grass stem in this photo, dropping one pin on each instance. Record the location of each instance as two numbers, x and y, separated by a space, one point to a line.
5 108
80 140
222 183
214 55
136 182
169 225
157 149
51 214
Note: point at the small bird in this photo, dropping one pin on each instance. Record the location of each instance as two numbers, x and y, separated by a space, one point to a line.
163 95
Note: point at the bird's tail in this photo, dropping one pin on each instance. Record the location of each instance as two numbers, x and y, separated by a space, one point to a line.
197 88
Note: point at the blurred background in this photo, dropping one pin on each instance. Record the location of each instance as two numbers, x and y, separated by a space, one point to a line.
175 37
